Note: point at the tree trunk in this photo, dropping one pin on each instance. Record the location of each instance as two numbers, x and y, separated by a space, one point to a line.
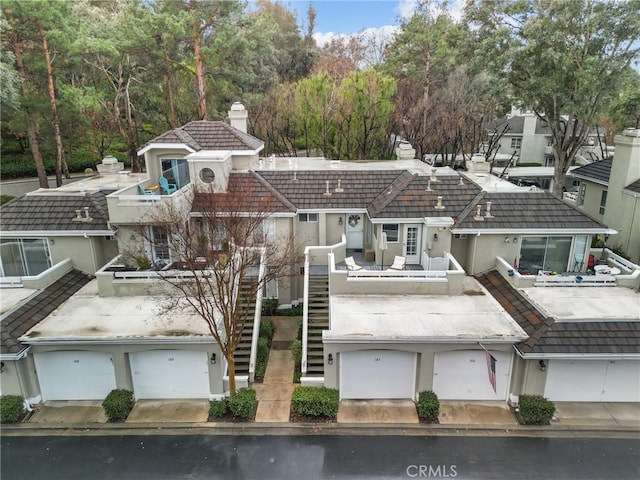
54 108
232 372
202 99
31 126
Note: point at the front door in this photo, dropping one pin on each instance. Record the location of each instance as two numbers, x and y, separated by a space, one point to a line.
411 243
355 228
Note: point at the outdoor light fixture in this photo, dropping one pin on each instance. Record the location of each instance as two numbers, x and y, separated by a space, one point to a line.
340 222
506 240
330 359
1 367
213 359
542 366
515 239
435 237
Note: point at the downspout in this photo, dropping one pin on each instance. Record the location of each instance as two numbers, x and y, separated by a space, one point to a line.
257 318
93 253
305 315
473 257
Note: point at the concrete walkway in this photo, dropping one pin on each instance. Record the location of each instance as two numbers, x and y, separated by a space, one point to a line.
274 393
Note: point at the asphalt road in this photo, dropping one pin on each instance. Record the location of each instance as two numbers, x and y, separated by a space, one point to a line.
197 457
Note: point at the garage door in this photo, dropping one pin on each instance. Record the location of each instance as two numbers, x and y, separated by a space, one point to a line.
367 374
75 375
463 375
170 374
593 381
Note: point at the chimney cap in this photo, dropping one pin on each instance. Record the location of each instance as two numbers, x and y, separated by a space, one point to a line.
237 106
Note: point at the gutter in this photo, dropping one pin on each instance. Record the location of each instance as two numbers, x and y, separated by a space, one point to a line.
576 356
388 339
56 233
125 341
536 232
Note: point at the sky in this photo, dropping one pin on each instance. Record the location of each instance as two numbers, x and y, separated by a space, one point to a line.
335 17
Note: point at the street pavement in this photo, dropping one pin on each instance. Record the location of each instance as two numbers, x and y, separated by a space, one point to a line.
210 457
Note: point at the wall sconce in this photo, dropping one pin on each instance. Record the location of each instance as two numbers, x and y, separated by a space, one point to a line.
542 366
330 359
515 239
340 222
213 359
1 367
52 241
506 240
435 237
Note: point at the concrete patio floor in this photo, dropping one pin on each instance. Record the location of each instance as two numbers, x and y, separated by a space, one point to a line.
377 411
167 411
69 413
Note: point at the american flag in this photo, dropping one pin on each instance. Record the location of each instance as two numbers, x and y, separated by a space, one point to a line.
491 367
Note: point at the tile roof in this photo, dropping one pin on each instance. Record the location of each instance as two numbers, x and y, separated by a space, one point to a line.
249 193
599 171
28 315
409 198
209 135
306 189
528 210
53 212
547 336
634 187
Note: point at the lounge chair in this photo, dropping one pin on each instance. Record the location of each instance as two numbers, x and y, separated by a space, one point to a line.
142 191
351 264
398 263
167 188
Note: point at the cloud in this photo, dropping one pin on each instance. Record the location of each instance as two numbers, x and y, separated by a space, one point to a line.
384 33
406 8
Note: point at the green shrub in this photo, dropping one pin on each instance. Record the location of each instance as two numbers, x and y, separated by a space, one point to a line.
535 409
243 403
296 353
267 329
118 404
269 306
428 406
261 369
5 198
315 401
11 408
217 408
263 350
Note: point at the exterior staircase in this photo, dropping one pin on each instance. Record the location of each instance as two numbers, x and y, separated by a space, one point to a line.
247 302
318 320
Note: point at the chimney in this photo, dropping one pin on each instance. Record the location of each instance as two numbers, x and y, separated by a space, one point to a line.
238 116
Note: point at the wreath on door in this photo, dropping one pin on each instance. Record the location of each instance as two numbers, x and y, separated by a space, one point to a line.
354 220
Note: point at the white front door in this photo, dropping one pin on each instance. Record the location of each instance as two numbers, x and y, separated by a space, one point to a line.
411 243
355 229
170 374
75 375
593 381
367 374
464 375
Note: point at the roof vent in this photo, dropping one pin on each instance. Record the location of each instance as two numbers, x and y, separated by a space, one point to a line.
82 215
488 212
428 186
339 188
439 205
461 181
433 177
327 192
478 217
295 176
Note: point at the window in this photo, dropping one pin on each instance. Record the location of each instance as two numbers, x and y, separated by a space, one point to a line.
391 229
544 253
581 194
516 142
207 175
160 245
603 202
265 233
24 257
176 170
308 217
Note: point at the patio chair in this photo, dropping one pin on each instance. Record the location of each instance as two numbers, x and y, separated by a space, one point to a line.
398 263
167 188
351 264
142 191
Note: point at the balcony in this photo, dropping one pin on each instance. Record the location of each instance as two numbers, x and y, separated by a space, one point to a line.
144 201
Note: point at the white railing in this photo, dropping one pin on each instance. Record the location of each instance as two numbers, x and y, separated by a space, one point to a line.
257 317
543 280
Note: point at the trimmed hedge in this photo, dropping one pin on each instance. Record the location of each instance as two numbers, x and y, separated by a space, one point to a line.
535 409
118 404
217 408
315 402
269 306
11 408
243 403
428 406
267 329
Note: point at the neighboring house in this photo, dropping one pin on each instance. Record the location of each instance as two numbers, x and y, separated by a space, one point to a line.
609 192
447 321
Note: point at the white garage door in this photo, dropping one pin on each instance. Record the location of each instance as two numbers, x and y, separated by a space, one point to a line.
463 375
170 374
75 375
593 381
387 374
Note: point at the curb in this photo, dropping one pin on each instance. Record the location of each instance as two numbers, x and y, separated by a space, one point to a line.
300 429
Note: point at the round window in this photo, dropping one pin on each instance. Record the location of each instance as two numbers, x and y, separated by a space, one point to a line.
207 175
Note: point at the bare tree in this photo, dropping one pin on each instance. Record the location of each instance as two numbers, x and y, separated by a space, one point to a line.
227 253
